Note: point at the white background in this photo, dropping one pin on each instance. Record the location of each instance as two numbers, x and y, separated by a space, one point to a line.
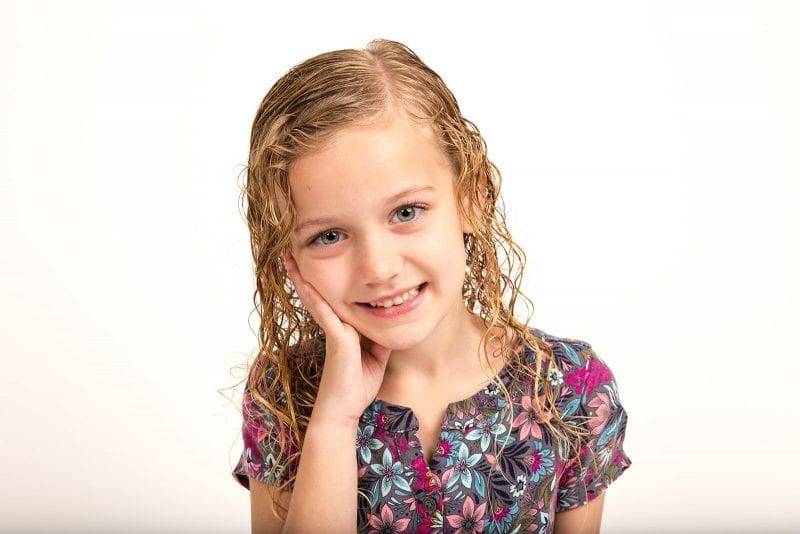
649 153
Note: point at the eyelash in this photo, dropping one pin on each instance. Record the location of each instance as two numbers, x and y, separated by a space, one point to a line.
416 205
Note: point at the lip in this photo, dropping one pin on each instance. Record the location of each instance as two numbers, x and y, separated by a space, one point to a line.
392 295
402 309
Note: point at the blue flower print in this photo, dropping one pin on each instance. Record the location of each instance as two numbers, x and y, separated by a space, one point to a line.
542 461
463 466
501 521
448 447
391 474
365 443
485 429
496 467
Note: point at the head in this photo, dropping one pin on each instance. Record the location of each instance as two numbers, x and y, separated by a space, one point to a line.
394 222
338 135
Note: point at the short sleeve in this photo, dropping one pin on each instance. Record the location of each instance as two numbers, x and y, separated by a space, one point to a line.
261 438
593 393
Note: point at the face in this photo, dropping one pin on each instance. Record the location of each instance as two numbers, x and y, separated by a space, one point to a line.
371 244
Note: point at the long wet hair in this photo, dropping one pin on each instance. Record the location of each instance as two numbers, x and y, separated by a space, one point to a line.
300 113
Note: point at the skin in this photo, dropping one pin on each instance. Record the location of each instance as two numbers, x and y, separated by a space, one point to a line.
584 519
373 247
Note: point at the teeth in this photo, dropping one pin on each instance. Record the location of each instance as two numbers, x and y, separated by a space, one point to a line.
397 300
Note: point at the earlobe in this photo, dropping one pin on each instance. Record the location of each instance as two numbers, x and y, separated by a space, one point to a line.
466 228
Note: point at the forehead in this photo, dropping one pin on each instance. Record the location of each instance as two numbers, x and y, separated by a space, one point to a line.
362 166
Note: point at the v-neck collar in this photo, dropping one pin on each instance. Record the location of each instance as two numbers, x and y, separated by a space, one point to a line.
400 418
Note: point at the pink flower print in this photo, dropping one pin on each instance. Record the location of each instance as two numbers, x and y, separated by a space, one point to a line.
386 523
445 448
425 525
411 502
586 380
418 481
602 410
526 420
471 518
380 421
432 481
500 515
576 379
542 461
619 459
250 465
424 521
399 445
424 478
598 374
261 433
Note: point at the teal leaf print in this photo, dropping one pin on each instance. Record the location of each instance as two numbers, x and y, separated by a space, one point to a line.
608 432
571 407
572 355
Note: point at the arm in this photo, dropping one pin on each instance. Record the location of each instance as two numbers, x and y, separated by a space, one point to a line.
262 520
581 520
325 488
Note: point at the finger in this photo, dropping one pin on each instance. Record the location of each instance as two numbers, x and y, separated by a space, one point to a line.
311 299
291 270
320 309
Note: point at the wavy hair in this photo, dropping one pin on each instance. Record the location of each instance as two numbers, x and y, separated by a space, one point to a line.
300 113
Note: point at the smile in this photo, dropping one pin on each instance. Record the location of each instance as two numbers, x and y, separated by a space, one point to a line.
411 302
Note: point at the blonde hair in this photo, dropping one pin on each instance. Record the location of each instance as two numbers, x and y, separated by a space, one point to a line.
299 114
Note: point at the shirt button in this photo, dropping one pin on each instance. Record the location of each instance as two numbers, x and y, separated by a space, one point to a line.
429 503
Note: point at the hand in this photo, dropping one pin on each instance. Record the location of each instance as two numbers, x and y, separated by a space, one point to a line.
354 364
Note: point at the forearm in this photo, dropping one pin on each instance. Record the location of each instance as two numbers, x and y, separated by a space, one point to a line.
324 497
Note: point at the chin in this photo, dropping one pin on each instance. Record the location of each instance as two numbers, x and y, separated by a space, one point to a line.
400 337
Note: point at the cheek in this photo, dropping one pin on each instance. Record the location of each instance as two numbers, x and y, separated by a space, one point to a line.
444 258
439 240
326 279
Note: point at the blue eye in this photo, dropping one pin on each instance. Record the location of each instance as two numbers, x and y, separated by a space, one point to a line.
414 205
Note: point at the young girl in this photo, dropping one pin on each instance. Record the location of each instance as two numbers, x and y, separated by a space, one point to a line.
394 389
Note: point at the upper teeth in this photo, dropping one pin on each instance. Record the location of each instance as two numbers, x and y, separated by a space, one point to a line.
397 300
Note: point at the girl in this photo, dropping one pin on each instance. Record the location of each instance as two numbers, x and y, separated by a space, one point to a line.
394 389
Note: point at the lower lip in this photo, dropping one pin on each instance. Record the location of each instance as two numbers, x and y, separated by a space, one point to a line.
393 311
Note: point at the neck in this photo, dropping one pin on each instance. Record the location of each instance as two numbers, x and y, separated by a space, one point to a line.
453 350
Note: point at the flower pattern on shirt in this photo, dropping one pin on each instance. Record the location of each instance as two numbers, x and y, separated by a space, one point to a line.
468 486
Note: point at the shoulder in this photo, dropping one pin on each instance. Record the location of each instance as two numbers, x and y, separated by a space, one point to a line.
570 354
582 375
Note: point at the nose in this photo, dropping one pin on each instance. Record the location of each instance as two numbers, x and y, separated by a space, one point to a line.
379 258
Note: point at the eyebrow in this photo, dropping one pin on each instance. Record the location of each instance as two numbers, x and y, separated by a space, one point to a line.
328 220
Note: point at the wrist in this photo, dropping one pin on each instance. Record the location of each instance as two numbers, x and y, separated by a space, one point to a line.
321 418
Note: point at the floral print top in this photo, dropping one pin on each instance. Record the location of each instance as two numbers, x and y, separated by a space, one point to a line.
468 487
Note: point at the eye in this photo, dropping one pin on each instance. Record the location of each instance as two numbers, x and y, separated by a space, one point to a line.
404 208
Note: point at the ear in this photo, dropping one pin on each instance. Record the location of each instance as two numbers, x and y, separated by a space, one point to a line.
466 227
